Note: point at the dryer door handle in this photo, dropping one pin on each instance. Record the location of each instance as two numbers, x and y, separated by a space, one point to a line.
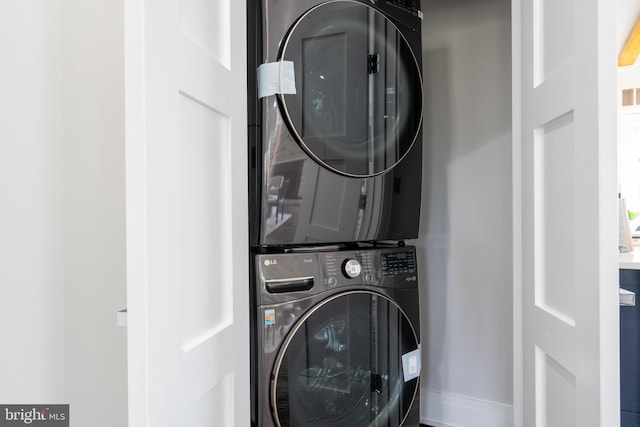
279 286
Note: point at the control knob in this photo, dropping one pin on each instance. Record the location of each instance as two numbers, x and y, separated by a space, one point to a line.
351 268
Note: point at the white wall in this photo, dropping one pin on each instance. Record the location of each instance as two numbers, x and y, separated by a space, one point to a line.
466 226
94 211
62 218
31 206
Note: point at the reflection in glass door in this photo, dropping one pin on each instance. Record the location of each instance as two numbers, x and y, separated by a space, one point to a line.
359 110
342 365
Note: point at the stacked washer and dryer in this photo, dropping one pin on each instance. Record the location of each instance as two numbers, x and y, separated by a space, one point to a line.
335 129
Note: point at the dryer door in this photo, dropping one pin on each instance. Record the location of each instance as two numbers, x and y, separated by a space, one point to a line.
358 106
341 365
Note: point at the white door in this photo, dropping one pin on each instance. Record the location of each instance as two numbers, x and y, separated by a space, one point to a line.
566 294
186 183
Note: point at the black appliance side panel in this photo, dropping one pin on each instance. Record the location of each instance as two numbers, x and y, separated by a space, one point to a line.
406 190
254 111
405 14
402 215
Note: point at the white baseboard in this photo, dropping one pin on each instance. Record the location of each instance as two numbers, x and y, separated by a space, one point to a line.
449 410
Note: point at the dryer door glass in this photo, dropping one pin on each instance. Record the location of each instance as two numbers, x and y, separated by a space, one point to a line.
358 105
341 365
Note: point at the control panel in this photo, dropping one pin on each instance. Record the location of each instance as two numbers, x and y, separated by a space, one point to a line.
408 5
348 266
307 273
370 267
397 263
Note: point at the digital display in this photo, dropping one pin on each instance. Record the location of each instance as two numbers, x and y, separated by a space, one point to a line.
397 263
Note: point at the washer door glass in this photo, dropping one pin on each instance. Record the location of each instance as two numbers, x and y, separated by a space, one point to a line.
358 106
341 365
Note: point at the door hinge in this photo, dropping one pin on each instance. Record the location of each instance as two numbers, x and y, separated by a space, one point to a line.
363 202
373 63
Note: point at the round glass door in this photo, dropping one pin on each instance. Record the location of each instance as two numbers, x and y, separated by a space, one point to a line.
341 365
358 106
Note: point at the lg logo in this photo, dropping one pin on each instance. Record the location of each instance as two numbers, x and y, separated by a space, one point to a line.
268 262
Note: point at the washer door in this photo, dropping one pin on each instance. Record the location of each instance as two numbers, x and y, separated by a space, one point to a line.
358 106
341 365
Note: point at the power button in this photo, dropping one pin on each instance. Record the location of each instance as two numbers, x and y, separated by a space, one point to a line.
352 268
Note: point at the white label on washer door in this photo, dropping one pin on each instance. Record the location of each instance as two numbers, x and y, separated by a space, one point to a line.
276 77
411 365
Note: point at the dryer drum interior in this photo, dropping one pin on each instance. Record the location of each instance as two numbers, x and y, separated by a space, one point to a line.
341 365
358 108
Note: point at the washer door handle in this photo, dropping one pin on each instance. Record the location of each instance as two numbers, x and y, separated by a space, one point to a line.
280 286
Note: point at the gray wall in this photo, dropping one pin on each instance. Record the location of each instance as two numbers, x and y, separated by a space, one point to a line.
62 264
466 230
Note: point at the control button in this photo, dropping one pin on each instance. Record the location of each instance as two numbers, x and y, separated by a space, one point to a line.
352 268
368 278
332 281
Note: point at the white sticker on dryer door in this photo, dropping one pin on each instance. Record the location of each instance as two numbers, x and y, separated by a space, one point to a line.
276 77
411 365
